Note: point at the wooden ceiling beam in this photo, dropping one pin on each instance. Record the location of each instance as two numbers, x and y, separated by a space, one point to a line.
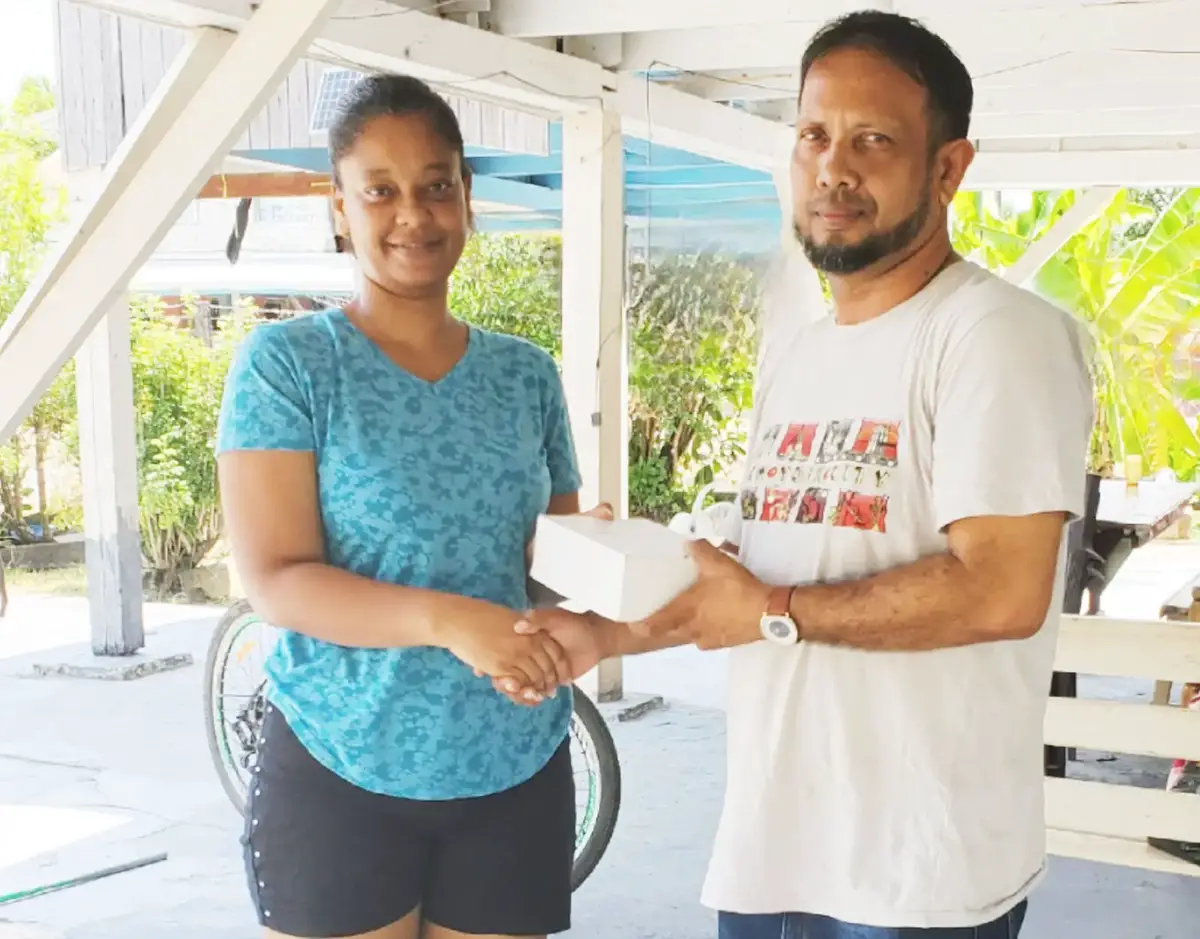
266 185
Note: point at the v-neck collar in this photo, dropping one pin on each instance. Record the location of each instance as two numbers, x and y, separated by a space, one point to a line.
473 340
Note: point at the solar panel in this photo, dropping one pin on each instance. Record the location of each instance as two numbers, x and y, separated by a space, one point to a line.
335 82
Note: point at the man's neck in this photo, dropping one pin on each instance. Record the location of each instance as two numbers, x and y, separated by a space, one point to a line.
870 293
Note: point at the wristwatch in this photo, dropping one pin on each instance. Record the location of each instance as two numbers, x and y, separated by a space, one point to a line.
777 624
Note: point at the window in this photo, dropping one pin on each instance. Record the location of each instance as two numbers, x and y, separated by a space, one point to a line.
299 210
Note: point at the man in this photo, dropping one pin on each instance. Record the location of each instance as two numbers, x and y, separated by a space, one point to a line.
893 618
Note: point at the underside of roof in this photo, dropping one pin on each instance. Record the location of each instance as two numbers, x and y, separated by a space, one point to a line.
1102 89
1068 93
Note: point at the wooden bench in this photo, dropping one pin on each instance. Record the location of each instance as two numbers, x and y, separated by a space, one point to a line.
1106 822
1177 608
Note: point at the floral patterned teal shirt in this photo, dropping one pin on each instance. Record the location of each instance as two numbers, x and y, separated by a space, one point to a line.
424 484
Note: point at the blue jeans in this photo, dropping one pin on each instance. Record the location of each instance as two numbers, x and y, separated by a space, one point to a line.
808 926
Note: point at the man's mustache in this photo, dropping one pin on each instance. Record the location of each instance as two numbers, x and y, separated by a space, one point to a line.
840 204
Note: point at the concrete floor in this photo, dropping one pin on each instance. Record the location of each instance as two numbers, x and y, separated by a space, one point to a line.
96 773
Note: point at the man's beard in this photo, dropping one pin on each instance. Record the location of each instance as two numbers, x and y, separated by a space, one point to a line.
852 258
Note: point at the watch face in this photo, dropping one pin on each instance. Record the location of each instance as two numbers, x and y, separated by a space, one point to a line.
779 629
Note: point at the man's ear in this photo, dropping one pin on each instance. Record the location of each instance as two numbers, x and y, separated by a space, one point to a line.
953 160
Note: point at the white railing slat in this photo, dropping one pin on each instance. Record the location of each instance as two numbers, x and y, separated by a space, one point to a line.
1155 649
1121 727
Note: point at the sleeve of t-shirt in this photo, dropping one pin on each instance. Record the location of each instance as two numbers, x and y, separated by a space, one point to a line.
1013 417
561 458
264 406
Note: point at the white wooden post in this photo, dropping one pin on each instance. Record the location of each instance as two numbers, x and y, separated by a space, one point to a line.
593 312
792 297
108 458
203 104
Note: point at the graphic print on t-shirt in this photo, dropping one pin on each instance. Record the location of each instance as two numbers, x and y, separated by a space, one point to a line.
834 472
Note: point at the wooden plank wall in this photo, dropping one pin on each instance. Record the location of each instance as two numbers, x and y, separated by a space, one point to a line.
109 67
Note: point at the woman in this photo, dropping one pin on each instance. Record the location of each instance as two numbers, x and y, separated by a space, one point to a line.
382 468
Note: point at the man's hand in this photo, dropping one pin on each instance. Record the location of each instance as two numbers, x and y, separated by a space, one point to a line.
723 608
578 636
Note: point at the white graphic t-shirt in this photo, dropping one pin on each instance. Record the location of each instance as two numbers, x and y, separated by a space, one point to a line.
898 789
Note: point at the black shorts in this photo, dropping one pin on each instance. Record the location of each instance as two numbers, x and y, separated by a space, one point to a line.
325 858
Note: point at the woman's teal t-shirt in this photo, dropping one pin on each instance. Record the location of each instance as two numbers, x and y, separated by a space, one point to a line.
424 484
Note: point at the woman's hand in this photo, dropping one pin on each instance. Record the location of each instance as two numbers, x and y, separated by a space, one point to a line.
580 637
485 637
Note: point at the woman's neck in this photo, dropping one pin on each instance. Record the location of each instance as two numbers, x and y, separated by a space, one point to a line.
389 319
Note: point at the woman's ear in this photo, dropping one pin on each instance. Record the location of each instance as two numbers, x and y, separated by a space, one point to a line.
341 229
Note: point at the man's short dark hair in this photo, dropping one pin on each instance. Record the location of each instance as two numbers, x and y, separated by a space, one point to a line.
917 51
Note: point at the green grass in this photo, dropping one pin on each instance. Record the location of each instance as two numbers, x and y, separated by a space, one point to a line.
60 582
72 582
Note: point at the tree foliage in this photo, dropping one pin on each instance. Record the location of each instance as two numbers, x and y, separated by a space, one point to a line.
29 212
1131 276
510 284
692 334
178 380
691 329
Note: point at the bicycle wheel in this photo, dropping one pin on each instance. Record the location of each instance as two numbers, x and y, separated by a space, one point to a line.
598 794
233 721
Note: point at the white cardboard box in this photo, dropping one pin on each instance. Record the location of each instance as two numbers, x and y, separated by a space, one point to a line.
623 570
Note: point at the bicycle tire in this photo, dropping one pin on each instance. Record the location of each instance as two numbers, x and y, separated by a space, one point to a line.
585 713
232 615
596 727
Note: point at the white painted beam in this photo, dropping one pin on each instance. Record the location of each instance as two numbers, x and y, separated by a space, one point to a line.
666 116
1087 206
464 60
1089 121
108 461
980 35
1072 169
743 85
605 49
205 101
1066 97
1108 67
374 35
593 310
536 18
1110 80
529 18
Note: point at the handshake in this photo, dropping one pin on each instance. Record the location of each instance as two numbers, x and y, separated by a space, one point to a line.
529 656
